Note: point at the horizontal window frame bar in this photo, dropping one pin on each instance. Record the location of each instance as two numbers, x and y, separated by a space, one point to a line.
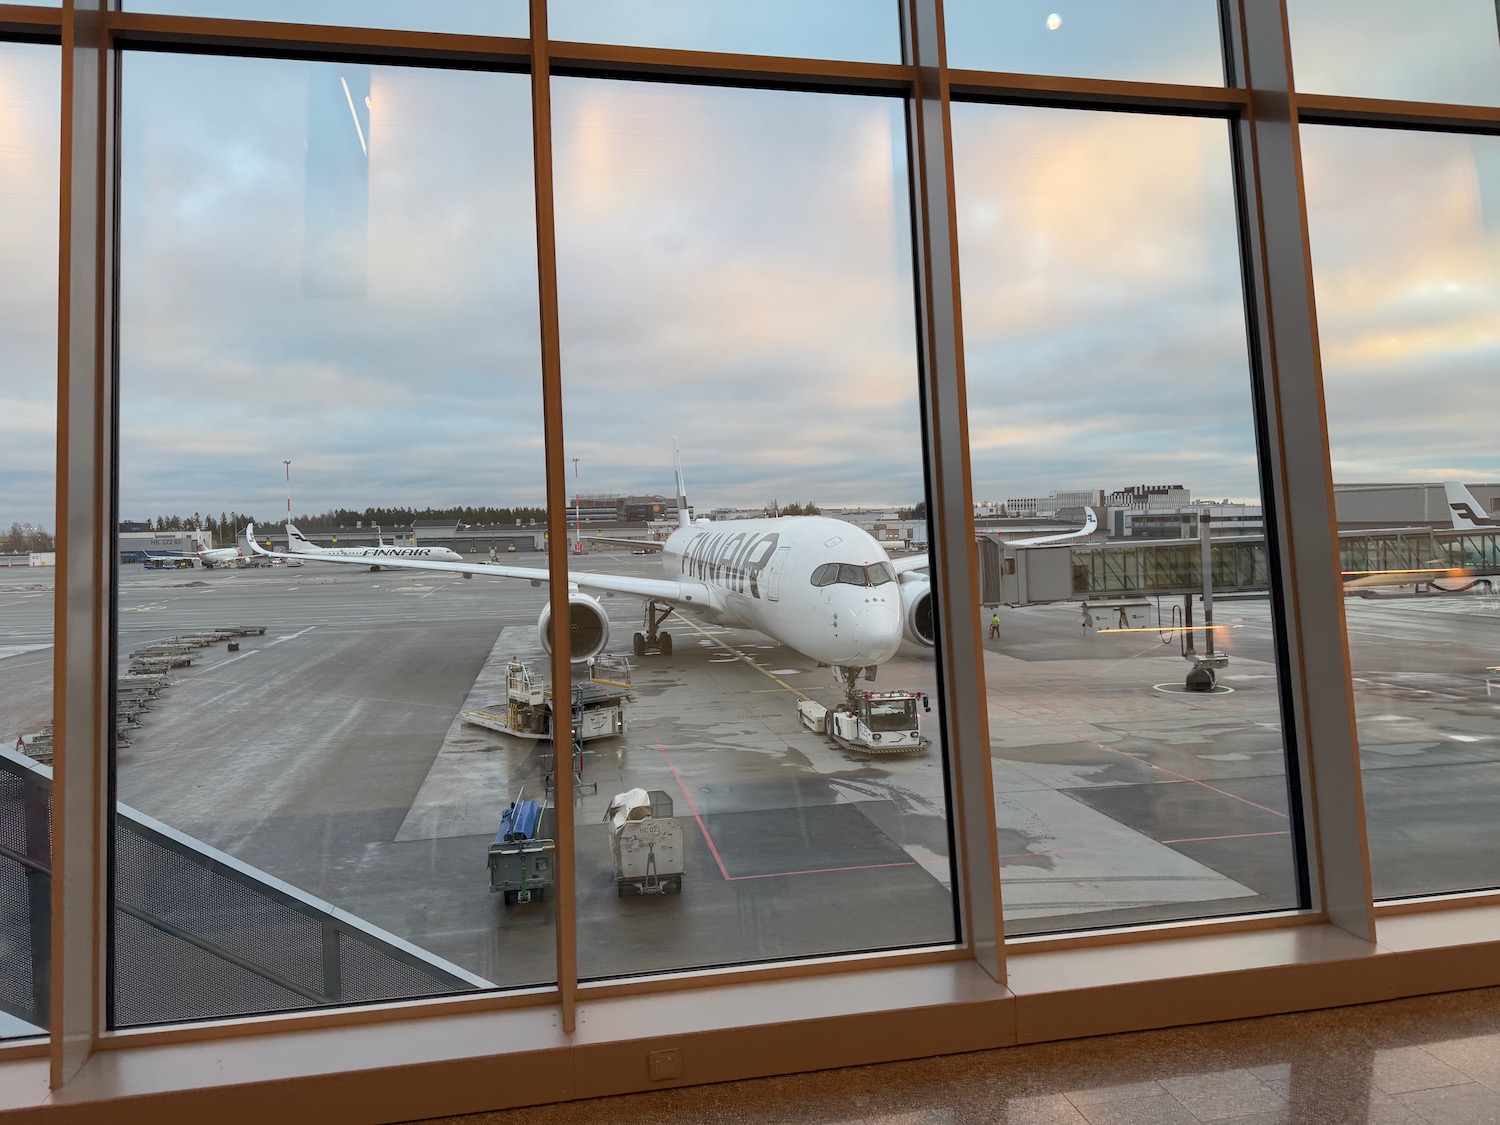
1097 93
260 39
1325 109
718 68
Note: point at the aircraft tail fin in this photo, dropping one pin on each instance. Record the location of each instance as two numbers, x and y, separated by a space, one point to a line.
296 542
684 515
1468 513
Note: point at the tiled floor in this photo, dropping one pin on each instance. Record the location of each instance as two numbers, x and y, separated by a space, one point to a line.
1434 1059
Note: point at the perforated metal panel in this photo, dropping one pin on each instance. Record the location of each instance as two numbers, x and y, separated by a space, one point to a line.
196 937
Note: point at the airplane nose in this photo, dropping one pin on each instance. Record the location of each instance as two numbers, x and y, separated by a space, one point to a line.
870 627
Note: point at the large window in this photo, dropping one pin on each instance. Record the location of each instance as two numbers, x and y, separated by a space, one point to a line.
466 17
862 30
1140 768
735 277
328 321
724 319
1407 296
1397 49
28 413
1145 41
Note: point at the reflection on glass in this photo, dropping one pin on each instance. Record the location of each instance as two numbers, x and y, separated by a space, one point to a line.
459 17
327 321
735 281
29 84
1107 376
1144 41
858 30
1406 254
1397 49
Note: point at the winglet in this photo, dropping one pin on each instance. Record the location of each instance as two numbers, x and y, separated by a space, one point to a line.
250 539
1467 512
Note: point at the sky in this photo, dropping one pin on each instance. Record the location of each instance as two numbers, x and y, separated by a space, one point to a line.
350 285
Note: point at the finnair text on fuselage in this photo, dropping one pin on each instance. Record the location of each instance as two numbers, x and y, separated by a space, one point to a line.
732 559
762 575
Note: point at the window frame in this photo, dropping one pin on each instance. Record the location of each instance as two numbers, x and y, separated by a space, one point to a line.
585 1040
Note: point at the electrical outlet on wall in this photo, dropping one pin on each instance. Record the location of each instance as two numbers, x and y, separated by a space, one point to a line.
662 1065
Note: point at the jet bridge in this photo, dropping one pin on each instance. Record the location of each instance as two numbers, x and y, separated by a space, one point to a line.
1014 575
1020 575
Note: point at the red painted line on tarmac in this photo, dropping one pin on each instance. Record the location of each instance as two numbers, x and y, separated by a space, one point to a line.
824 870
688 797
724 871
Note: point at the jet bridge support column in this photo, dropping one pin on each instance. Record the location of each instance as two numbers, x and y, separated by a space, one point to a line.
1204 673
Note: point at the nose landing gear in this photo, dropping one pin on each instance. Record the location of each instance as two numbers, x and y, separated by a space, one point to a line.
652 639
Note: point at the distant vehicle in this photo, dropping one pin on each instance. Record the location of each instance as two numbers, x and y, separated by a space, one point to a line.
299 544
162 562
511 548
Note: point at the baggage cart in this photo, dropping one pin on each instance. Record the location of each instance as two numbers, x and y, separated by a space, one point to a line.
521 855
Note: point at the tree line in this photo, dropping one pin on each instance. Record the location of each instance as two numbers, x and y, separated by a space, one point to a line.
23 538
228 524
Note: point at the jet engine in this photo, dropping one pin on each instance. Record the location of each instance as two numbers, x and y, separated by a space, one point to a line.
916 610
588 627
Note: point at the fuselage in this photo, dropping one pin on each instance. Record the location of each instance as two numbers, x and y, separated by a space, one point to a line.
820 585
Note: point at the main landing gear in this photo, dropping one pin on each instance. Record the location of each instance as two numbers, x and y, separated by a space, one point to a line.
653 640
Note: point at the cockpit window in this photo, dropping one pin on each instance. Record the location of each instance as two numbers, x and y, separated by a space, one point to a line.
852 574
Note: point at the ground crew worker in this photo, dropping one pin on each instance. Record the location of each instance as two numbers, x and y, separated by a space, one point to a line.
995 627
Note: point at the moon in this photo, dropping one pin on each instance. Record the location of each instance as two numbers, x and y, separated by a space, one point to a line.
1054 21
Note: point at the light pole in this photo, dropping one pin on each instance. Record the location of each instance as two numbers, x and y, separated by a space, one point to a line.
288 465
577 512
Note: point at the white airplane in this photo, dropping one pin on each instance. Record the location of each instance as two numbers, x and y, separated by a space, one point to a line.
1466 514
300 547
818 585
219 556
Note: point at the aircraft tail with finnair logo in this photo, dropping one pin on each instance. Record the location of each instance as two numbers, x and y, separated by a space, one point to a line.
1468 513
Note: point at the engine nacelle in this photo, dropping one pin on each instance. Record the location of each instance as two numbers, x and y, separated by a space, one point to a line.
588 628
916 611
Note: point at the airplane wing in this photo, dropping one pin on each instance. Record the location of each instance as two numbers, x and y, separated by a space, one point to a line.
1090 525
686 594
621 541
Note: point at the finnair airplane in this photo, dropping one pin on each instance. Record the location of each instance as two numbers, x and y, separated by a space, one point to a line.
299 546
821 586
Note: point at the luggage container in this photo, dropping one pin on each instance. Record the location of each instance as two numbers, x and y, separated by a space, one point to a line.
646 842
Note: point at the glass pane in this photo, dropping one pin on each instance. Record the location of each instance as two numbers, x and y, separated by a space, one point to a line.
459 17
735 279
1402 49
328 320
29 113
1143 41
857 30
1406 254
1140 772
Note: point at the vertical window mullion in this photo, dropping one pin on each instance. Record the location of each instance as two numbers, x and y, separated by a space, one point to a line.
953 559
1299 475
85 471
